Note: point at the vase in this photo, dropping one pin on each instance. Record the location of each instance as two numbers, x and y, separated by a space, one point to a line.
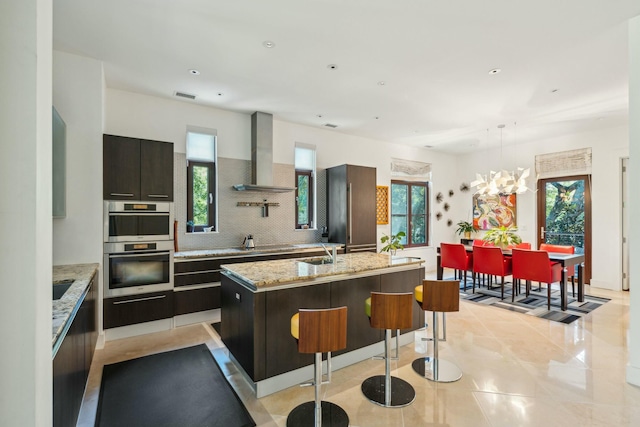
467 235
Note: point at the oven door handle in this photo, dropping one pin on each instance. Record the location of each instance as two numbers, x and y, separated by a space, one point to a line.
152 252
139 299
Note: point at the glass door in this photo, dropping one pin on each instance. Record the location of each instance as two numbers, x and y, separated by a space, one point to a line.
564 214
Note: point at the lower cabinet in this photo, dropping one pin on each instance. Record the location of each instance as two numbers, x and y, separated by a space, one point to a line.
195 300
129 310
73 360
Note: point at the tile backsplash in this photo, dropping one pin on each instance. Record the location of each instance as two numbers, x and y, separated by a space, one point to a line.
235 222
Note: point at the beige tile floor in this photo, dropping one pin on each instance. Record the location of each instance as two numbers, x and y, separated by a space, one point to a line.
518 370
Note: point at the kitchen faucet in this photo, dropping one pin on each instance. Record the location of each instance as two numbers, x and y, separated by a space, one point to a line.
332 256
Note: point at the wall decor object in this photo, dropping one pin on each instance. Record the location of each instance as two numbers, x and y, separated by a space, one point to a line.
449 223
494 211
439 197
446 207
439 216
464 187
382 204
451 193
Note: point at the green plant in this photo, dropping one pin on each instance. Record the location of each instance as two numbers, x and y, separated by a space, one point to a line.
503 236
392 242
190 225
466 227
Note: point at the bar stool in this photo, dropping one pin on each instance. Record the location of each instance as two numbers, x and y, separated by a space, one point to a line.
389 311
319 331
437 296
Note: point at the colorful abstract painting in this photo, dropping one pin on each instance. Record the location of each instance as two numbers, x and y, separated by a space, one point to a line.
494 211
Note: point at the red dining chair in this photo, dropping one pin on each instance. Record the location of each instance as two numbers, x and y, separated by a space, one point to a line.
454 255
562 249
535 266
490 260
523 245
480 242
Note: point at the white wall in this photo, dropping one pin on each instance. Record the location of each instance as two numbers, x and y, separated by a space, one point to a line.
25 213
135 115
633 368
608 147
77 95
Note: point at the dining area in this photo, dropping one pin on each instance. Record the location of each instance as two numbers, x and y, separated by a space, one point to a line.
551 266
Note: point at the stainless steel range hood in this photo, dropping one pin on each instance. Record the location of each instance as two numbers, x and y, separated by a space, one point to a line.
262 156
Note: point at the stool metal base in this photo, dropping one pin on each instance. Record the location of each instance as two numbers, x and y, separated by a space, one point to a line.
402 393
446 372
304 415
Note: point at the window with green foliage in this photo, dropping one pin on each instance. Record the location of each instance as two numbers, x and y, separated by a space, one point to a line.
304 198
409 211
201 189
305 166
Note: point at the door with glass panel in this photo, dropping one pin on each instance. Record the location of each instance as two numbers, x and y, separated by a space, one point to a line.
564 214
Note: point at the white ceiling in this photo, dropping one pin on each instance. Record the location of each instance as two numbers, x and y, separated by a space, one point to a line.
434 58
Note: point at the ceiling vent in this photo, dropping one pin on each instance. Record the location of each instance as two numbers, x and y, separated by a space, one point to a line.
330 125
185 95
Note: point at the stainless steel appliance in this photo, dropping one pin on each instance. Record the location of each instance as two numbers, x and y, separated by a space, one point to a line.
137 221
248 242
132 268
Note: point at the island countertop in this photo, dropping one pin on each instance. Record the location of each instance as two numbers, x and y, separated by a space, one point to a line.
64 308
268 274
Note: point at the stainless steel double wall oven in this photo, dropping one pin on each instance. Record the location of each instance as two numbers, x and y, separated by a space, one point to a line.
138 247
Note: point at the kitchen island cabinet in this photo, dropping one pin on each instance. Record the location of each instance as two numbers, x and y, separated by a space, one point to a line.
259 298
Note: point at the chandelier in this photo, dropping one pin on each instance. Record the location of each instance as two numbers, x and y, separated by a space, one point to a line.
503 181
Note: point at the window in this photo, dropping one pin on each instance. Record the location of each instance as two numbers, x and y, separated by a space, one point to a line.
201 179
305 165
409 211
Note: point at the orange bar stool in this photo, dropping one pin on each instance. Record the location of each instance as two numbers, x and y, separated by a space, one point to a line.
437 296
319 331
454 255
389 311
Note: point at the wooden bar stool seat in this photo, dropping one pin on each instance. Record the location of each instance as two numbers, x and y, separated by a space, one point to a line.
319 331
388 312
437 296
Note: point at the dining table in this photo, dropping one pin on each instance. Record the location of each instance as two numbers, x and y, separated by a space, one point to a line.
569 262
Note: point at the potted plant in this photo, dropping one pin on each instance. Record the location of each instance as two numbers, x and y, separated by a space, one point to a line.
190 226
392 242
467 228
503 236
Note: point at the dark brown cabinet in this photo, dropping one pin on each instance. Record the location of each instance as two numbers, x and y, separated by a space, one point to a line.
129 310
137 169
351 207
72 361
195 300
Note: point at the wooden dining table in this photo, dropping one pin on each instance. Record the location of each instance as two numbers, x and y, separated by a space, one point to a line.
569 262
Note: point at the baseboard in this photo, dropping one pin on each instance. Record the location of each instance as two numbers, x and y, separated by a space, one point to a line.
138 329
209 316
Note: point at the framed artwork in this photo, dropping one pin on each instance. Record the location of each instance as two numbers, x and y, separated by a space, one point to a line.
494 211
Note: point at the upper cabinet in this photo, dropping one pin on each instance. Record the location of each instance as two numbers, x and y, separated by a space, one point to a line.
137 169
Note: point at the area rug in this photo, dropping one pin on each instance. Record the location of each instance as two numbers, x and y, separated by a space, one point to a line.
178 388
535 304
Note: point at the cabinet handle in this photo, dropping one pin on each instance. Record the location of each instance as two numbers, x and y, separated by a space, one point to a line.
139 299
157 195
122 194
350 212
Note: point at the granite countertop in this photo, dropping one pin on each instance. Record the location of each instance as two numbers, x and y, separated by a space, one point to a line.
266 274
259 250
64 309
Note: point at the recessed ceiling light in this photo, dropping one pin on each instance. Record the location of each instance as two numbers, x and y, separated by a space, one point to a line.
219 94
554 90
495 71
428 146
319 116
381 83
194 72
332 66
268 44
377 117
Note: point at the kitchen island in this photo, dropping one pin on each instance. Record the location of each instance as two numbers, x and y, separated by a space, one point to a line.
259 298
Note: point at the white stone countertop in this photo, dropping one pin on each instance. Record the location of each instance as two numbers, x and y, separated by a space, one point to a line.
267 274
259 250
64 309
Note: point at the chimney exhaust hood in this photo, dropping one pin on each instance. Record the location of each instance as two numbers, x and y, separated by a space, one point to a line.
262 156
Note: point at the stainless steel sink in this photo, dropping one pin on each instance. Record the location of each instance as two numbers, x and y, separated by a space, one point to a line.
60 288
321 261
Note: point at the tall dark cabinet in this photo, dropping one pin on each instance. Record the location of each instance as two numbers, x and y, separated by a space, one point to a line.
137 169
351 207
